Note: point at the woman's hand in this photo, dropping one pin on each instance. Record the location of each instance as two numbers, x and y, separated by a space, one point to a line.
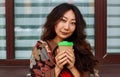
61 60
70 58
66 58
71 61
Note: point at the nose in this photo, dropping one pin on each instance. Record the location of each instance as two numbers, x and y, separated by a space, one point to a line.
66 26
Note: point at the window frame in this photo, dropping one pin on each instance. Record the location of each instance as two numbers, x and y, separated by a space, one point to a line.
100 36
10 43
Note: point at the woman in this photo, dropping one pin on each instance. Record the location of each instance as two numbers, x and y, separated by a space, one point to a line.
65 22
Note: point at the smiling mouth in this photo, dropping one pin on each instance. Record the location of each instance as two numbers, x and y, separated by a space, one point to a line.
64 33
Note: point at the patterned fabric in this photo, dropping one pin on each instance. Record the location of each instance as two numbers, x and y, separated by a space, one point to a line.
42 61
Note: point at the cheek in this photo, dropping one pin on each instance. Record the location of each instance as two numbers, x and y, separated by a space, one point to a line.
73 29
57 28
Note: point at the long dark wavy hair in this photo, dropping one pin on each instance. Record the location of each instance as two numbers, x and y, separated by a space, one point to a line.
84 59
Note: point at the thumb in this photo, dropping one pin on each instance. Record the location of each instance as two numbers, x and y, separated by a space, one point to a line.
58 50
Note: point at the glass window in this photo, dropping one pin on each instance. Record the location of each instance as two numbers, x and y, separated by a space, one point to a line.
30 15
113 26
2 30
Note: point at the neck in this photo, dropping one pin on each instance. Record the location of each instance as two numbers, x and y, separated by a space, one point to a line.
57 40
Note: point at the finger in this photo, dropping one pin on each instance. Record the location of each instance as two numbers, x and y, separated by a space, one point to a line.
68 53
60 52
71 50
62 60
71 59
61 63
59 57
70 56
70 64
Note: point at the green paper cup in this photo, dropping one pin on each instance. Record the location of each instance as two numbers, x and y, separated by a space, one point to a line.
65 45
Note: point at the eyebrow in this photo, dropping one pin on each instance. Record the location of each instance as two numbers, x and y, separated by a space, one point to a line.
67 18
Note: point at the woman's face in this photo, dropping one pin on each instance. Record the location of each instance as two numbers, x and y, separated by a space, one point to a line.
66 26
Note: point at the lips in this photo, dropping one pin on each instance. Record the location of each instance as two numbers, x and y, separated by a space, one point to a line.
65 33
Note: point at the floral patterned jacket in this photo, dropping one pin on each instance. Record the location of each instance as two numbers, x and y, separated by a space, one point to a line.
42 61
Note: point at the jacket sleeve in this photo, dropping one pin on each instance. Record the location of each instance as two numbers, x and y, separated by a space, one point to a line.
50 73
40 65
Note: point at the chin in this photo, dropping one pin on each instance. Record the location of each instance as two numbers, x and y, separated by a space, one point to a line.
65 37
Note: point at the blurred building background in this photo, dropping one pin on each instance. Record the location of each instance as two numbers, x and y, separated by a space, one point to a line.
21 26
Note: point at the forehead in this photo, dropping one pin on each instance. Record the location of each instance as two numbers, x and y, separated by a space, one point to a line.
69 15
